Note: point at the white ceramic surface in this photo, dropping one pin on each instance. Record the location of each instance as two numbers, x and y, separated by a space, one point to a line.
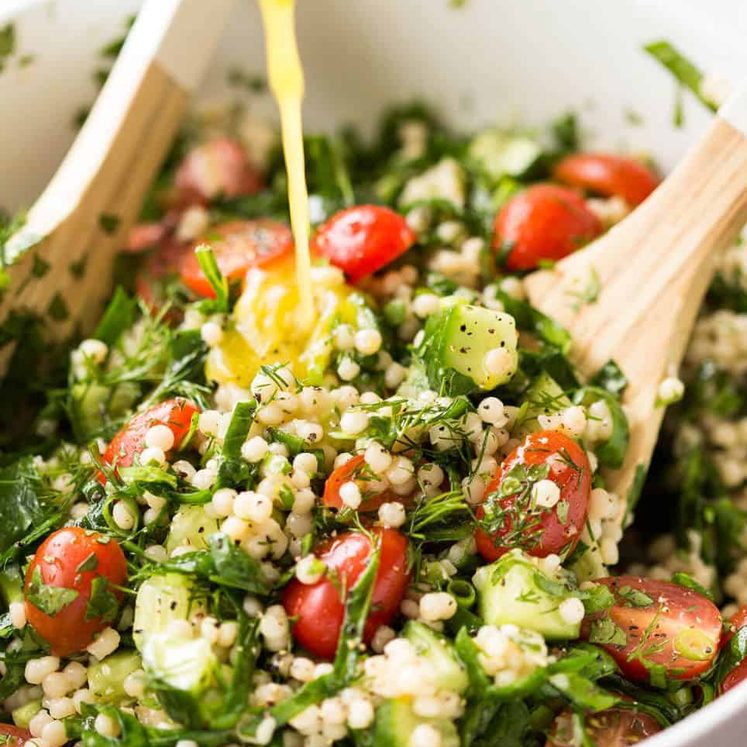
501 61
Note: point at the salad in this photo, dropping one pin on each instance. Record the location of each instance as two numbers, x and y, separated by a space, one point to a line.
386 525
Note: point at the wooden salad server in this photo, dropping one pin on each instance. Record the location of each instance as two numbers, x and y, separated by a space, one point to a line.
652 271
58 266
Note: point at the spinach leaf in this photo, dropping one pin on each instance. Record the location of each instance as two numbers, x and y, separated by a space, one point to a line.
20 507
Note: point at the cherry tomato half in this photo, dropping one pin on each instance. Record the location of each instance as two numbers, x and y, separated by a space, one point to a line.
16 737
130 440
607 174
237 246
511 497
544 222
733 678
736 621
656 628
355 470
318 609
615 727
363 239
71 587
216 168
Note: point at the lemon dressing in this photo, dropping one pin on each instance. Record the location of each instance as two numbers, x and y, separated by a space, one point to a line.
286 82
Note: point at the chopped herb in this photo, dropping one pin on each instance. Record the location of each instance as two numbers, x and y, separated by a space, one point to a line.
51 600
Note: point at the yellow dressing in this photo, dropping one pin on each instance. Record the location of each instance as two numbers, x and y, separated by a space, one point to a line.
287 84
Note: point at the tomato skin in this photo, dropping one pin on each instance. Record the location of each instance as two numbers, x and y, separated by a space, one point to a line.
543 222
734 677
550 534
130 440
162 261
318 607
237 246
736 621
668 623
607 174
20 735
615 727
362 239
144 236
216 168
352 469
58 560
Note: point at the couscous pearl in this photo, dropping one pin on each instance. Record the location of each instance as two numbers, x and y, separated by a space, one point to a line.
394 375
437 605
571 610
81 696
348 369
134 684
545 493
360 713
38 722
222 501
368 341
37 669
377 458
671 390
54 734
187 743
401 471
60 707
204 478
237 529
208 422
271 414
106 726
302 669
353 422
56 684
156 553
265 730
105 643
123 516
184 468
350 494
425 735
211 333
343 337
152 455
94 350
431 475
310 569
392 514
499 362
425 304
254 449
76 673
17 612
227 633
159 437
491 411
305 462
310 432
253 507
274 628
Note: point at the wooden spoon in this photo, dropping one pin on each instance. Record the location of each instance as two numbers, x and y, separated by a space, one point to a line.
59 265
652 271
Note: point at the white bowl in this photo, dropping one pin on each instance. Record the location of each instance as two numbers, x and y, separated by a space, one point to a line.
502 61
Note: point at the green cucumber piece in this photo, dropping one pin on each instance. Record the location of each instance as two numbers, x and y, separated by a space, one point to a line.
106 678
438 650
396 721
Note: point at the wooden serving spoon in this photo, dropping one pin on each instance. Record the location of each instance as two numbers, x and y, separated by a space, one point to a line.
59 265
652 271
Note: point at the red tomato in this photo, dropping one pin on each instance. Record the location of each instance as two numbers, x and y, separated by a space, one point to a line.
608 175
318 609
615 727
161 262
237 246
354 469
733 678
543 222
65 569
16 737
736 621
656 624
363 239
145 236
217 168
538 531
130 441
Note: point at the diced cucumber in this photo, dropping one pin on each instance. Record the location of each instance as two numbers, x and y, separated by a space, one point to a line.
161 599
543 397
396 721
437 649
106 678
444 181
190 527
460 343
514 590
23 714
588 565
186 664
497 154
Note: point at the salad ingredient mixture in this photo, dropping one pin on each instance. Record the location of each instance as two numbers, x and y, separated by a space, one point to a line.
389 526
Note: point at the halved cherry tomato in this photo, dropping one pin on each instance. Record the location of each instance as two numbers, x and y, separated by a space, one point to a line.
216 168
615 727
318 609
608 175
130 440
736 621
510 498
16 737
161 262
656 629
362 239
354 470
733 678
237 246
544 222
71 587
